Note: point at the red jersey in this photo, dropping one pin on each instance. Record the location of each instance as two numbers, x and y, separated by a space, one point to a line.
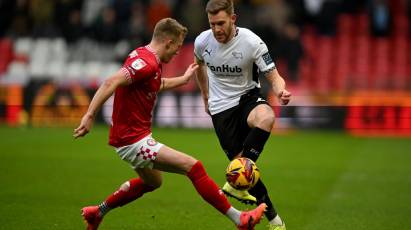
134 103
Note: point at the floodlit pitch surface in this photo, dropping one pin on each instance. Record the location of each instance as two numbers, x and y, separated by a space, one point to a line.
318 180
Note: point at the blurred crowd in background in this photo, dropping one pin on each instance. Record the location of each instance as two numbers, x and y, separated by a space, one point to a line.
129 23
54 53
278 22
113 20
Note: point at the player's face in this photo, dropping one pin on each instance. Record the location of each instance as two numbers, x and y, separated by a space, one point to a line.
172 48
222 25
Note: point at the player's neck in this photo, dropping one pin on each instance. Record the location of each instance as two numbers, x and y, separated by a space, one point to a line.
232 33
156 48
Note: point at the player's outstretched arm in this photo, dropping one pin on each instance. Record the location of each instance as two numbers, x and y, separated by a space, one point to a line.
103 93
278 86
202 83
169 83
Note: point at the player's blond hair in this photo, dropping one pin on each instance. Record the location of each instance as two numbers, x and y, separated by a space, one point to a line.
169 28
215 6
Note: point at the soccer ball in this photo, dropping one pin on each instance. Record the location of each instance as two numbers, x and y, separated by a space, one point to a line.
242 173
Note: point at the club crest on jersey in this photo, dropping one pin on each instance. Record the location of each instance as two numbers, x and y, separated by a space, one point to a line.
237 55
138 64
151 142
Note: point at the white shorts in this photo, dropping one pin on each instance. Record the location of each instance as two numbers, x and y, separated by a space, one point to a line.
140 154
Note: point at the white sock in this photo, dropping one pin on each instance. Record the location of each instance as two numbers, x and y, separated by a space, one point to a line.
276 221
234 215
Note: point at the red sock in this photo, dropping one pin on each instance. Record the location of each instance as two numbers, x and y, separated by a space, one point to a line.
207 188
124 196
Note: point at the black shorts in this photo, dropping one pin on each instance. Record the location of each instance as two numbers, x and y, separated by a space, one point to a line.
231 125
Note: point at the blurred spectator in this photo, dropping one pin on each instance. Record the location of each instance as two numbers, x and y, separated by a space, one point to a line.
105 28
409 14
157 10
67 16
6 15
352 6
247 12
137 31
312 9
323 14
292 50
275 13
42 12
21 22
63 10
91 10
270 20
191 14
327 18
73 30
123 14
380 17
297 9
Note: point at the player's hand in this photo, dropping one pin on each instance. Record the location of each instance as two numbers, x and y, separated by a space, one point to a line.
190 71
84 127
284 97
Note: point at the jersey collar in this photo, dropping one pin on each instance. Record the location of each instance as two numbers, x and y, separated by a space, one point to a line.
148 47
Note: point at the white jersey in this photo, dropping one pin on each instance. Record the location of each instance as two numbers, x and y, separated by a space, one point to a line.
231 67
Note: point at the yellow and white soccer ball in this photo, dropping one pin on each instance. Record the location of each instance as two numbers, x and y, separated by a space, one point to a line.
242 173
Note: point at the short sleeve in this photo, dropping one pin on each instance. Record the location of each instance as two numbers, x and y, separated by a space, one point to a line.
262 57
136 69
199 48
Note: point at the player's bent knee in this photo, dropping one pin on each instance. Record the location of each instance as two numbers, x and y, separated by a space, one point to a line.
265 121
156 184
268 121
189 163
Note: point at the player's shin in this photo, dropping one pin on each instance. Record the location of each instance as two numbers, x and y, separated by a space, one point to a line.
207 188
254 143
128 192
261 193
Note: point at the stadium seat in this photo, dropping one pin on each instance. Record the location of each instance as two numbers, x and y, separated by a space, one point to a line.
345 25
56 69
74 71
362 24
167 112
17 72
109 69
379 78
58 50
22 48
38 69
41 47
93 70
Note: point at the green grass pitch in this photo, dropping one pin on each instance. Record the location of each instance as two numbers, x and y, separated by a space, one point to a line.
317 180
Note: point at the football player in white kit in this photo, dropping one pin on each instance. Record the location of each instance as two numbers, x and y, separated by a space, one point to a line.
230 59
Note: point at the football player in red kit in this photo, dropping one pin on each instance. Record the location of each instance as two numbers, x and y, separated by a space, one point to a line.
135 87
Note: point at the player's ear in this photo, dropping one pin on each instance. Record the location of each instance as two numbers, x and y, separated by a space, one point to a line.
168 43
234 18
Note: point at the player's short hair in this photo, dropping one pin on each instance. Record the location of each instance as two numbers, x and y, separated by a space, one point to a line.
215 6
169 28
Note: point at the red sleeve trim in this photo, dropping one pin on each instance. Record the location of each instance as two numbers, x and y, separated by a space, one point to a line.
127 74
